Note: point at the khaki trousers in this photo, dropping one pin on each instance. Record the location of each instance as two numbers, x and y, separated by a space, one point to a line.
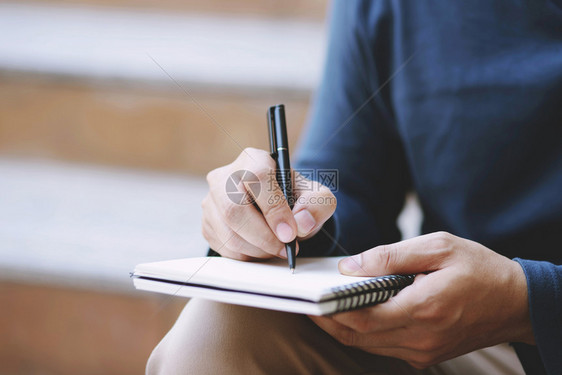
216 338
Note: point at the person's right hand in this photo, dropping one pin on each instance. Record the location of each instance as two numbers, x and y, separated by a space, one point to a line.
241 231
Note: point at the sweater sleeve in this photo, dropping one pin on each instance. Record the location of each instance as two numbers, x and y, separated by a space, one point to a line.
544 283
351 134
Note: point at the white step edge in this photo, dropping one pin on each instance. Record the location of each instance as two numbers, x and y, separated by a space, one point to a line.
112 44
84 226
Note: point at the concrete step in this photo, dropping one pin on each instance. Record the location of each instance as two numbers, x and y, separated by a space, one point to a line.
157 47
148 89
86 227
69 236
290 9
132 127
49 330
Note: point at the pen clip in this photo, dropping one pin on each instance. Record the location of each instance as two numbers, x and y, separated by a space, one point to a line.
272 135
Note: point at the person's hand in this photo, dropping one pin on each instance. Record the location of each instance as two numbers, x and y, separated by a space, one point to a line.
241 231
471 298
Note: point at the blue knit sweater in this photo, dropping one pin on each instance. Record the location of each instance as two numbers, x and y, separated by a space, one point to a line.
460 101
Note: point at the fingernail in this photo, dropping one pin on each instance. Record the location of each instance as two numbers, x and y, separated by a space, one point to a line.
283 253
284 232
350 264
305 222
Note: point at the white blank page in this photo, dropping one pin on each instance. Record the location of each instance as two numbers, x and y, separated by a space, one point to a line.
313 278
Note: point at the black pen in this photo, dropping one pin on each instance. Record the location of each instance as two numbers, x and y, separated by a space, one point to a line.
279 148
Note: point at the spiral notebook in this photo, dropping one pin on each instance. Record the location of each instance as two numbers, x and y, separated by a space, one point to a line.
316 287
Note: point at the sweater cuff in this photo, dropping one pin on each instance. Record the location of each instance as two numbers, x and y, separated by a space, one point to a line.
544 283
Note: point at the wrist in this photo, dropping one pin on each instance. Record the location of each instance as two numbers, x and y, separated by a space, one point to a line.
521 329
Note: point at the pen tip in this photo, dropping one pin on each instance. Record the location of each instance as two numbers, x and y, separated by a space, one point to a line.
292 270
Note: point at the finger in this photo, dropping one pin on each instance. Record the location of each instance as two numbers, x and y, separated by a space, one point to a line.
255 230
270 199
397 312
217 245
350 337
234 255
397 343
413 357
415 255
259 234
333 328
230 239
419 359
314 205
378 318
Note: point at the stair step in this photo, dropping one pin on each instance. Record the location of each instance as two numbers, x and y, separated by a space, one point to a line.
153 47
84 226
136 127
296 9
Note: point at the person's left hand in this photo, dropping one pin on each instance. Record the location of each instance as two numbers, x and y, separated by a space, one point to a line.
471 298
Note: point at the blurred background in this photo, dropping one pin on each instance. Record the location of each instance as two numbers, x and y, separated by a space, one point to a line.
111 114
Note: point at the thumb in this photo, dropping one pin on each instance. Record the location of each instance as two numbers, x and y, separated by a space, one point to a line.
313 207
419 254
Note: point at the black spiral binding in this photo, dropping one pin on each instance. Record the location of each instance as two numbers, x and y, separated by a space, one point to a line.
370 292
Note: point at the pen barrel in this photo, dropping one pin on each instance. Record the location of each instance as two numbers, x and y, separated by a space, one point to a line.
280 139
283 176
279 147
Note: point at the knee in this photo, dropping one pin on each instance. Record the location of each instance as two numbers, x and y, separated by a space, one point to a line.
165 358
154 364
210 337
207 338
186 345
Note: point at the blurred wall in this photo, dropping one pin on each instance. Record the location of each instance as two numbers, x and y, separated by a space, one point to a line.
172 87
